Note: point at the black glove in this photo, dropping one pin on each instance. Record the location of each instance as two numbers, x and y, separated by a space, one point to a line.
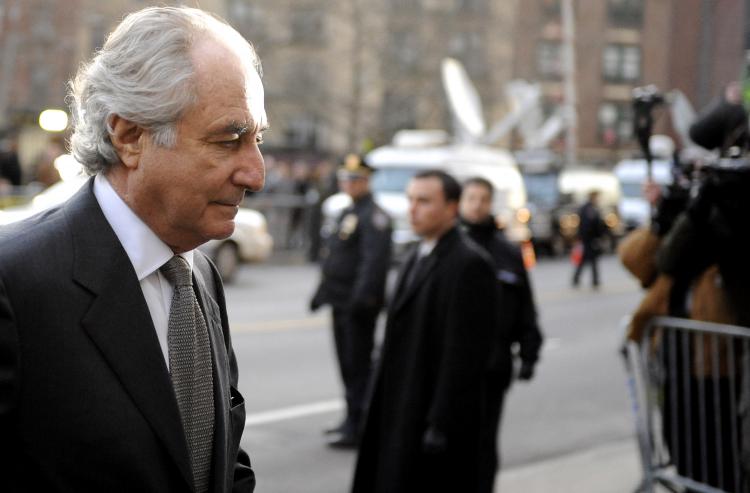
434 441
315 303
526 372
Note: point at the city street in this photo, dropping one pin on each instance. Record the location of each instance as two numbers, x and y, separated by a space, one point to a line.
576 408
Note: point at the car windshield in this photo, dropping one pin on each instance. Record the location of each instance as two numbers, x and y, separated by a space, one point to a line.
392 179
632 190
542 189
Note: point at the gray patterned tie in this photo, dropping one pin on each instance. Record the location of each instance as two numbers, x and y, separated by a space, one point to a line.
190 368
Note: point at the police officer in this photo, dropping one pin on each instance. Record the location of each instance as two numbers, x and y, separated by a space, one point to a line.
516 320
353 283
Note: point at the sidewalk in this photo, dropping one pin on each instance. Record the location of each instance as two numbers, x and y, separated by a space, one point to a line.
611 468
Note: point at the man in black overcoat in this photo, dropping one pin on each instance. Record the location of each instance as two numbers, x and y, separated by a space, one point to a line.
422 432
516 317
357 258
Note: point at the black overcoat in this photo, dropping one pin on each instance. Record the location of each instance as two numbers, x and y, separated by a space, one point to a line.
434 353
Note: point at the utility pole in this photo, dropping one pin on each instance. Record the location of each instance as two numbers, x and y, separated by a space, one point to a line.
569 81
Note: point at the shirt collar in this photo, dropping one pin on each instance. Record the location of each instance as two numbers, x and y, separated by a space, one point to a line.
426 247
144 249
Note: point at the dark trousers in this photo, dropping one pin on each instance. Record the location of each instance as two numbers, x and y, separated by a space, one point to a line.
354 333
489 454
590 256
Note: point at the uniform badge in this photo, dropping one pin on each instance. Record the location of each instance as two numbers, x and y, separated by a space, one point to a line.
348 225
380 220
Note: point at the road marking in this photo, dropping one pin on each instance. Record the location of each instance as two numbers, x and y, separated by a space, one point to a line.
294 412
286 324
551 343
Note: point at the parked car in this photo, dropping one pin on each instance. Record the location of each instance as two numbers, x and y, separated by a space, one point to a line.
250 241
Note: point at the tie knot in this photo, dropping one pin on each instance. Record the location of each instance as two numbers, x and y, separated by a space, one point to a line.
177 272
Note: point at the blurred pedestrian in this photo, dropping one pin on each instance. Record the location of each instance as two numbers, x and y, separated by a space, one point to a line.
353 283
116 366
591 229
516 320
324 185
424 422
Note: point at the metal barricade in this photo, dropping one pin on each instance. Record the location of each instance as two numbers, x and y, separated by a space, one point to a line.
690 386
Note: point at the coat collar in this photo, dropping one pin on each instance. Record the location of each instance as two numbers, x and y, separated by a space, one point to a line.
119 323
406 293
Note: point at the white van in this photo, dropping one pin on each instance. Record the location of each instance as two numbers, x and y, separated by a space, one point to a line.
633 208
395 165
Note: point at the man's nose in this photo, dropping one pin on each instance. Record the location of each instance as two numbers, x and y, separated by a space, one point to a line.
251 172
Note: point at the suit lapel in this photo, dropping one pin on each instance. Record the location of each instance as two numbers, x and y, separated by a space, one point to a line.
119 323
405 293
408 292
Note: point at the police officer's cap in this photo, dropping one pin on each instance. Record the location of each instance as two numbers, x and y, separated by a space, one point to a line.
354 166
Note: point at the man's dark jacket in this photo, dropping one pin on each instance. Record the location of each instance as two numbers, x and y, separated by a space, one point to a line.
86 401
516 310
357 258
430 375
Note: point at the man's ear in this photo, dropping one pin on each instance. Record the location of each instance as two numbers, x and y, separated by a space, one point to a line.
127 140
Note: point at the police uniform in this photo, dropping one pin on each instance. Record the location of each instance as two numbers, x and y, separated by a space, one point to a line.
516 324
353 279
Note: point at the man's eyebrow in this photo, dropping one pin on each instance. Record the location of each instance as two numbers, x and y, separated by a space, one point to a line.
238 128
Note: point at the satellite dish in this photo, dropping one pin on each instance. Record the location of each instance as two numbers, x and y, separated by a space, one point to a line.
463 100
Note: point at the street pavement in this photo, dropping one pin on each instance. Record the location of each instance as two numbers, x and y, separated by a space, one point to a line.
570 429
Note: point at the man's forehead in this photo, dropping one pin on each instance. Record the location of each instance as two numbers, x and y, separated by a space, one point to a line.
225 73
425 187
255 98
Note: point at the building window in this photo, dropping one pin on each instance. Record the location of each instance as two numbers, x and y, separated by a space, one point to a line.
304 79
307 26
625 13
621 63
302 132
468 47
399 112
615 122
549 59
475 6
405 49
248 19
406 4
550 9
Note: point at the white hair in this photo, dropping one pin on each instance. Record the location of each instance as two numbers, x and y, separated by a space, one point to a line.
143 74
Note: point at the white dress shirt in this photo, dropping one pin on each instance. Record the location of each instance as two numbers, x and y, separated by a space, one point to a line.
426 247
146 252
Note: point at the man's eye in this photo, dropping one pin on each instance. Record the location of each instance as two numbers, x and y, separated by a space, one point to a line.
229 143
259 139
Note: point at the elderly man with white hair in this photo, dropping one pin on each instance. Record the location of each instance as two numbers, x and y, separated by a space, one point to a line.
116 366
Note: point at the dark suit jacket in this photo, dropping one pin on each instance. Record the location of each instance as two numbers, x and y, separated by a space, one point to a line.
430 374
86 401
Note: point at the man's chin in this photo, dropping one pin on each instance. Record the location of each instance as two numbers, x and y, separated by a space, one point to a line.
223 232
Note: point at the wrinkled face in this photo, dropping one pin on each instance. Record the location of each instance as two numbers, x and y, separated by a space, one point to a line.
190 193
476 203
430 214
